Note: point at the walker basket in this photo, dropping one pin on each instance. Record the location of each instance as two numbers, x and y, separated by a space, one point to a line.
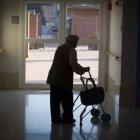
92 96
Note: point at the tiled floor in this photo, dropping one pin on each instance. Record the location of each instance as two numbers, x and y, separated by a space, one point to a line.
40 60
25 115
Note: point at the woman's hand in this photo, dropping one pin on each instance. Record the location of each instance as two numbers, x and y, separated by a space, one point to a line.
87 69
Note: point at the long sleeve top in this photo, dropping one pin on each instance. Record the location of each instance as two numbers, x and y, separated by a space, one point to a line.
77 68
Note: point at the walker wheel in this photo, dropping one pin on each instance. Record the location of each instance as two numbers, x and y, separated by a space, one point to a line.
95 112
106 117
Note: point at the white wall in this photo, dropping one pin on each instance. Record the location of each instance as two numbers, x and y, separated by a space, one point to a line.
125 46
10 44
115 42
10 36
113 68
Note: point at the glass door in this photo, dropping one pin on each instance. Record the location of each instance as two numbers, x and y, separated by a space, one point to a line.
83 19
42 37
46 27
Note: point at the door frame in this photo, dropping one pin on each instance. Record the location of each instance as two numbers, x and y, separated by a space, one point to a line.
104 23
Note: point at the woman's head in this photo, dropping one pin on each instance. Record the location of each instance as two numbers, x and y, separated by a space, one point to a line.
72 40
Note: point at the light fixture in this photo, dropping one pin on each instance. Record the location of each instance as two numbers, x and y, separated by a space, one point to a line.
119 2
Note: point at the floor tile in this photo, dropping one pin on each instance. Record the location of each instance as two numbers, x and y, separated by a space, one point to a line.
25 115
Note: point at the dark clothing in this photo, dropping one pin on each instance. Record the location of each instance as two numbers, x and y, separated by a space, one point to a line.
64 96
60 78
61 73
77 68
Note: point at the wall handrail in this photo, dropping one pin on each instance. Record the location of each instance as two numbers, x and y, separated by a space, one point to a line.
116 58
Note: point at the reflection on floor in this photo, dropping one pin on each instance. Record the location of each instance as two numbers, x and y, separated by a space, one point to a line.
25 115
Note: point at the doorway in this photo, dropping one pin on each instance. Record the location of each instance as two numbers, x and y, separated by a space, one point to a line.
46 27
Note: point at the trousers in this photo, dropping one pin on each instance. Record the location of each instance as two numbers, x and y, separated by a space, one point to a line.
61 96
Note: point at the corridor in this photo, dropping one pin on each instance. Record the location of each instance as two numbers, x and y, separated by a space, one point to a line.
25 115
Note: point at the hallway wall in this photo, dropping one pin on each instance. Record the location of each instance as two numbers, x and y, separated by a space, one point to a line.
10 44
129 53
121 75
113 74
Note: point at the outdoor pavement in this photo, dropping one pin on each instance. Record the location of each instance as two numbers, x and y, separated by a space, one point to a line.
40 60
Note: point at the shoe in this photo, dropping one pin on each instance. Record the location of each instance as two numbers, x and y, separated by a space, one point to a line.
57 121
72 121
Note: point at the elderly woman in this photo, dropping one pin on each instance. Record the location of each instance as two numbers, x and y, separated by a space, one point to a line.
60 78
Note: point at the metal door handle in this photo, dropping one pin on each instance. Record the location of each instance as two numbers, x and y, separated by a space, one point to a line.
1 50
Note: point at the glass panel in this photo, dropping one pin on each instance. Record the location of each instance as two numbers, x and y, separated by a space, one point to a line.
42 21
88 55
83 20
39 57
